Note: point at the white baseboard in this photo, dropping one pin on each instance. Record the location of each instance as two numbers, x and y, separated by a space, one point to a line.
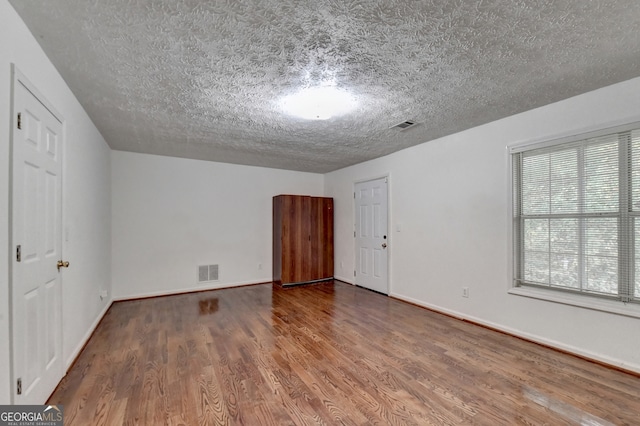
345 280
188 290
616 363
86 337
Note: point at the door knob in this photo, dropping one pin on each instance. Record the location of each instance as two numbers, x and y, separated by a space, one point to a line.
62 264
384 245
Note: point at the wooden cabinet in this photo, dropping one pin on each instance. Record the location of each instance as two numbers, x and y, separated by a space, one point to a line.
302 239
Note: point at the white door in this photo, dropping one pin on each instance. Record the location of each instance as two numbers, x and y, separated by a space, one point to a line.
371 235
36 246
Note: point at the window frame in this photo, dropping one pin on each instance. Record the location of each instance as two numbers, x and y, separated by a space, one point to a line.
599 302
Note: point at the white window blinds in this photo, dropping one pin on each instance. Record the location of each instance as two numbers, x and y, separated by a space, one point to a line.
576 209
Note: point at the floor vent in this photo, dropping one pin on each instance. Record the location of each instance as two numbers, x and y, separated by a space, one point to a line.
404 125
207 273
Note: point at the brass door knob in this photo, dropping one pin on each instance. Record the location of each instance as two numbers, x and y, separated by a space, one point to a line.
62 264
384 245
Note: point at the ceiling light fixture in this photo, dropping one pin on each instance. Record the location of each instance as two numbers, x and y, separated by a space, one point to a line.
318 103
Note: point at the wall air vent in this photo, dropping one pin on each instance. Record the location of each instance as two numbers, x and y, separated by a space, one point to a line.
207 273
404 125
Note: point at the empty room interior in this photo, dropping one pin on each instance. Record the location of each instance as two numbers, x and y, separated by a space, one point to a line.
327 212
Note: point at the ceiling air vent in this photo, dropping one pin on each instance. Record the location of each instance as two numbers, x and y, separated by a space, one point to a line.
404 125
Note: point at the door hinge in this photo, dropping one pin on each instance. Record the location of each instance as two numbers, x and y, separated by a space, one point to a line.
19 387
354 195
19 120
354 234
354 273
18 253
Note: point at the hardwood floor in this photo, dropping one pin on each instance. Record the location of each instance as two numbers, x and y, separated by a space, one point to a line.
328 353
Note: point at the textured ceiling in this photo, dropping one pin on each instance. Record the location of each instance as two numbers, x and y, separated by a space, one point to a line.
202 79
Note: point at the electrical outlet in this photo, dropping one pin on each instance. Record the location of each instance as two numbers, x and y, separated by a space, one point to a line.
465 291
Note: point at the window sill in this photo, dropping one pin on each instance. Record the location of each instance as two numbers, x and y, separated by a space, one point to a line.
582 301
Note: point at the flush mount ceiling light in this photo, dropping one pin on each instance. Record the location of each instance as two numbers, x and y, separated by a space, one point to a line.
318 103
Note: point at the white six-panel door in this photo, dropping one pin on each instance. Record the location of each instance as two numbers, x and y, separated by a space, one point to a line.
36 228
371 235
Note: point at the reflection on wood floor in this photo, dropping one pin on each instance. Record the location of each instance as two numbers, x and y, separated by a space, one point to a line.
329 353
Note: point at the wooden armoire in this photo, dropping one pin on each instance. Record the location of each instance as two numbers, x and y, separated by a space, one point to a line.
302 239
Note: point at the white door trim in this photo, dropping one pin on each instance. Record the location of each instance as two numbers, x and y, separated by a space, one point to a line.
19 79
18 76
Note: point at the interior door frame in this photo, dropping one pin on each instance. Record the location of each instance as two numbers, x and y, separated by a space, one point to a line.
389 249
17 77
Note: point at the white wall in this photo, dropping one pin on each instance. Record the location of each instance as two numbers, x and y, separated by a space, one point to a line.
172 214
450 198
86 192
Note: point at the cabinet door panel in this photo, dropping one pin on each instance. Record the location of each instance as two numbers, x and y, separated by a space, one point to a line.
278 203
321 238
296 247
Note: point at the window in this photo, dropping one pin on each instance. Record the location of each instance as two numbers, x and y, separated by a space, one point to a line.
576 214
